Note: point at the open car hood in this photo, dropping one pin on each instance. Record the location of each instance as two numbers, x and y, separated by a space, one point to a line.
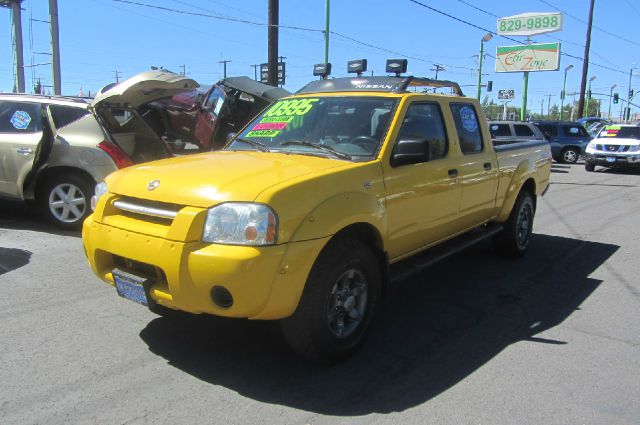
255 88
144 88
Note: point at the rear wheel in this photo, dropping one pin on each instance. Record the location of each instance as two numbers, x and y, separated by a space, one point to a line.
570 155
514 239
337 304
65 200
589 166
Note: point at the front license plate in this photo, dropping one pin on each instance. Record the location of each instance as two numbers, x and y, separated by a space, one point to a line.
130 286
610 159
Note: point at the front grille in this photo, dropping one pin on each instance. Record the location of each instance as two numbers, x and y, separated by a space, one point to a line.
139 269
616 148
149 209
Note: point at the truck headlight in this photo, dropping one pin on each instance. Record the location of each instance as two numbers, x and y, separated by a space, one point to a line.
591 146
101 189
240 223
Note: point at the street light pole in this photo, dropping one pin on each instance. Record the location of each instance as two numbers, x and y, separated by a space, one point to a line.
564 85
610 97
326 32
488 36
628 110
589 95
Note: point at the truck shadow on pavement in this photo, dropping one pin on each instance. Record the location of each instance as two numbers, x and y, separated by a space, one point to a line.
431 332
18 215
12 258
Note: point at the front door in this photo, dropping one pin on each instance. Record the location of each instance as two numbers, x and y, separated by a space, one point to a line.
422 199
20 136
207 118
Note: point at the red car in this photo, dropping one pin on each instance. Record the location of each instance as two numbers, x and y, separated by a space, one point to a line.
204 118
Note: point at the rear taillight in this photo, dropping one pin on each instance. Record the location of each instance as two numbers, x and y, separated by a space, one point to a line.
121 159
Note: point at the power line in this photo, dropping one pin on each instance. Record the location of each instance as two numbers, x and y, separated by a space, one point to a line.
580 20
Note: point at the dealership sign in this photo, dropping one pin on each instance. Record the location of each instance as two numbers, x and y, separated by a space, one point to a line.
528 57
530 24
507 94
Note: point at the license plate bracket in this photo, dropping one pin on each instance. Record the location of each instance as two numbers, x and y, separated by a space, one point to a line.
130 286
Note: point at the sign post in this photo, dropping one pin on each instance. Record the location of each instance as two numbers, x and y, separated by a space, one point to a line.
506 96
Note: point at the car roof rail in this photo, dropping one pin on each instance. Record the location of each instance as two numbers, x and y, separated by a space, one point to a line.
378 84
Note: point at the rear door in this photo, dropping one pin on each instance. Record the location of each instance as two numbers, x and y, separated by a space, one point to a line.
477 169
207 118
21 133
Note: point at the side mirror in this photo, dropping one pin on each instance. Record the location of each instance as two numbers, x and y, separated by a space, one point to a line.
411 151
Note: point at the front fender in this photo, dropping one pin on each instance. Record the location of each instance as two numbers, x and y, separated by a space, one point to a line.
340 211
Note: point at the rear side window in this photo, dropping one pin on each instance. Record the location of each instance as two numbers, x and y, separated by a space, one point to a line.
548 130
468 127
523 130
65 115
574 131
424 121
20 117
499 130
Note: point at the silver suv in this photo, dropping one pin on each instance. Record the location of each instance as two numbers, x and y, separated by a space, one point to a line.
506 132
54 149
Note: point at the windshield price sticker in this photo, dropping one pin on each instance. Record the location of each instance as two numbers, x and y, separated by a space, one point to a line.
20 120
280 115
530 24
611 131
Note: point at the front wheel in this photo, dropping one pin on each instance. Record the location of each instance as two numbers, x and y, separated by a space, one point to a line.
65 200
337 304
514 239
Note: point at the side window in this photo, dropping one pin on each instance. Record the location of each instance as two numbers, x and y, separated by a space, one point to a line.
523 130
424 121
574 131
468 127
20 117
65 115
499 130
214 102
548 130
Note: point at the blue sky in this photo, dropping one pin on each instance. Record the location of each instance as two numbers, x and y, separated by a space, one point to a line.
98 37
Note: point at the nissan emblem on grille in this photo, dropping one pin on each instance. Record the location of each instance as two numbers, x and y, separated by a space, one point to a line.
153 185
612 148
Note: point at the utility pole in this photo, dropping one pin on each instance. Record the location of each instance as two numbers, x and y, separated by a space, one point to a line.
117 75
549 106
326 32
542 109
255 71
585 63
184 69
16 19
55 46
610 99
224 63
272 73
484 39
436 69
628 109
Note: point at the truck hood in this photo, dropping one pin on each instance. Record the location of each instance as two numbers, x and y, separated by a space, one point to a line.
144 88
204 180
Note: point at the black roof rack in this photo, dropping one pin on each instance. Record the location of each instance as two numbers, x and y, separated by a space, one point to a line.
378 84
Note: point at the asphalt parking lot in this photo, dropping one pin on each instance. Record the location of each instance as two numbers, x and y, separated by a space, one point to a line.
552 338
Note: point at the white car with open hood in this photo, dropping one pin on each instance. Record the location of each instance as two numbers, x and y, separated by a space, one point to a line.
54 149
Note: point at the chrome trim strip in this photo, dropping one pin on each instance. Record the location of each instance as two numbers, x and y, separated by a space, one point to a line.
141 209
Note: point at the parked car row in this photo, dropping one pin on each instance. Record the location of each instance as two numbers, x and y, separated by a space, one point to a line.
54 149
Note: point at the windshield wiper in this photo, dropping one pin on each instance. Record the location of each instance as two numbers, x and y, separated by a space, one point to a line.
254 143
325 148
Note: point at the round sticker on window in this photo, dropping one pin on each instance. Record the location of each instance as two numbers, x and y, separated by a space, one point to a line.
468 118
20 120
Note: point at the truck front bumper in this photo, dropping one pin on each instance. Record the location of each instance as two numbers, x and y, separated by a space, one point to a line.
613 160
264 282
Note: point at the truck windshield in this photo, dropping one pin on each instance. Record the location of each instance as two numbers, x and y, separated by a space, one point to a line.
620 131
339 127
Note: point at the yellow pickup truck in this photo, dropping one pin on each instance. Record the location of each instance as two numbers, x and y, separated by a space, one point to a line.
308 213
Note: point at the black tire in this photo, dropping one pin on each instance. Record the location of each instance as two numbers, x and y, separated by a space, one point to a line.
314 333
569 155
65 200
589 166
515 238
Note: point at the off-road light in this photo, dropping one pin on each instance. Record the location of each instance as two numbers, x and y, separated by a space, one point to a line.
357 66
322 69
397 66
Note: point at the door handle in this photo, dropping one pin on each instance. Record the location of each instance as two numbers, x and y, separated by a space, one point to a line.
487 166
24 151
453 173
